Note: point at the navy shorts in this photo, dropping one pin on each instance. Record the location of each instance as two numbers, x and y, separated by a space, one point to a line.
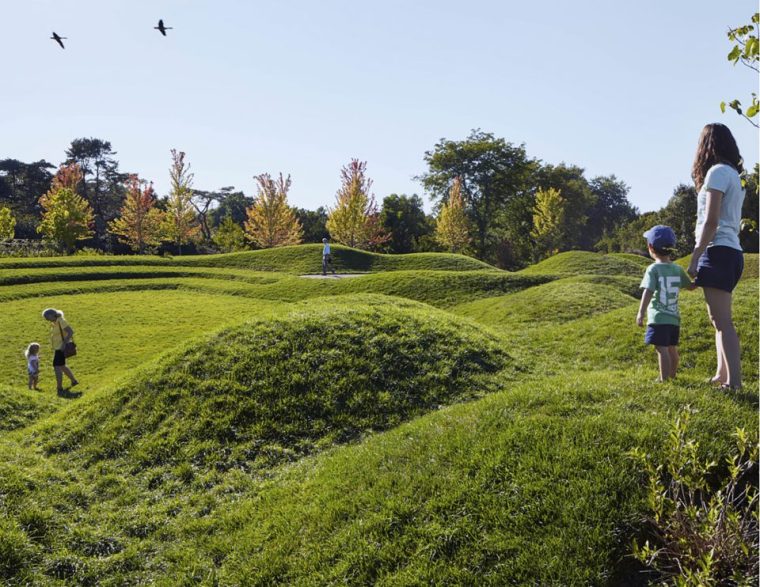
662 334
720 267
59 359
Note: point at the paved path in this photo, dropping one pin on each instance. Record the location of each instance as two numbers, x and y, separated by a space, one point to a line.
333 276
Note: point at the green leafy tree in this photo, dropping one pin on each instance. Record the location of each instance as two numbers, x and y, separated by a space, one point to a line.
102 185
452 230
355 220
140 222
7 224
549 221
610 209
579 200
67 216
20 187
750 235
231 203
493 173
745 50
314 224
229 236
180 225
403 219
271 222
680 213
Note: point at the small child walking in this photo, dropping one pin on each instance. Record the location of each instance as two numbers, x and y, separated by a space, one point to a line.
32 354
662 282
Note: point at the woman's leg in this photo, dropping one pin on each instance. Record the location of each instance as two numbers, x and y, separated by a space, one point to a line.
721 374
726 338
58 377
69 374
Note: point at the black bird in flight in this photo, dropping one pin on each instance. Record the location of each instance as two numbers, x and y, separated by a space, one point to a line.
58 39
162 28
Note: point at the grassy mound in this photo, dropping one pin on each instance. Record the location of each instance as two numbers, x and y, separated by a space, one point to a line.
256 394
300 259
554 302
586 263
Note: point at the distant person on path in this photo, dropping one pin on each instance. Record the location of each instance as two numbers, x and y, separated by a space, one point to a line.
662 282
32 354
326 257
60 334
717 262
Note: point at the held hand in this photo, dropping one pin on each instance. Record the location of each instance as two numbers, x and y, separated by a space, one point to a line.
640 320
692 270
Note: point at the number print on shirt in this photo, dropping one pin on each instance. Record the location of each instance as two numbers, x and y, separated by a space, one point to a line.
669 287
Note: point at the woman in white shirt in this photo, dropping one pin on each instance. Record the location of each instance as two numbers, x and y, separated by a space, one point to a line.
717 261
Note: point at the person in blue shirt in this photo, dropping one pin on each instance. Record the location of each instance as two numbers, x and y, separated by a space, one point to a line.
326 257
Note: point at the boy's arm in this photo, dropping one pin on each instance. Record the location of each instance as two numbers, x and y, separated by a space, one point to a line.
646 297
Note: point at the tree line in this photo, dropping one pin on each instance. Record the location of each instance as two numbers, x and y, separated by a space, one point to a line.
491 200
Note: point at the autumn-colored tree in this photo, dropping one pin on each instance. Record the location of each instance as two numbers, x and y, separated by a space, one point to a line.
180 224
355 221
271 222
67 217
549 214
139 223
229 236
7 224
452 229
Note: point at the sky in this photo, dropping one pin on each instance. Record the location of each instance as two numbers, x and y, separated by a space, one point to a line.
301 87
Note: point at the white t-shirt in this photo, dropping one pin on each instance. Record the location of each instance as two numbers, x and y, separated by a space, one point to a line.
723 178
33 364
326 249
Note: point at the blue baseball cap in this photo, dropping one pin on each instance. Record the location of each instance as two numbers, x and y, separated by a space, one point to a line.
661 237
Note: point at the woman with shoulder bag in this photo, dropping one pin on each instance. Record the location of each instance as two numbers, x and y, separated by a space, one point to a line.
61 335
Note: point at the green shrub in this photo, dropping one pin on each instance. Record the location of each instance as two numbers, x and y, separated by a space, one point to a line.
703 531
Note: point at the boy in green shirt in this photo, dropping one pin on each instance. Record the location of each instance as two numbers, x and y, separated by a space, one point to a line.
662 282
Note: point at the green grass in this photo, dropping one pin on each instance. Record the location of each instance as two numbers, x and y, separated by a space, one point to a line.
300 259
428 423
585 263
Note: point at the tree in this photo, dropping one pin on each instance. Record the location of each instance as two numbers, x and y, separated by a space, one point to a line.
750 235
20 187
102 184
7 224
271 222
404 220
231 203
493 172
452 230
314 224
139 224
67 216
745 50
680 213
355 220
229 236
180 223
611 207
549 221
579 200
204 202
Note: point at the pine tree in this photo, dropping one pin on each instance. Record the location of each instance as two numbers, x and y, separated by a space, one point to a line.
180 224
7 224
452 230
67 217
271 222
549 214
355 221
139 223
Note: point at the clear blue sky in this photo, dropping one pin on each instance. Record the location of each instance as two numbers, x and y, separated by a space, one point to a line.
303 86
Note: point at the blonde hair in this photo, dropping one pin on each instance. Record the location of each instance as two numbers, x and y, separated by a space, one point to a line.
47 311
28 350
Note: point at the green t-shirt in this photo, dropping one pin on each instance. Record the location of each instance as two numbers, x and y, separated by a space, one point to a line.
665 280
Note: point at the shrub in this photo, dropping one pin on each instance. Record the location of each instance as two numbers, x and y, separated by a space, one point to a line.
703 532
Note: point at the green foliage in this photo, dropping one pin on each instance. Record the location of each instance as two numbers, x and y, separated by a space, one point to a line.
229 236
66 218
7 224
745 49
270 221
180 224
404 220
703 531
452 228
314 224
549 221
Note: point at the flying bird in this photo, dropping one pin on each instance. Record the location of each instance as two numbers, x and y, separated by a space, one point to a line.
58 39
162 28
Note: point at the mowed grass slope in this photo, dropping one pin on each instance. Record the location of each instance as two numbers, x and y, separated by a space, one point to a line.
313 440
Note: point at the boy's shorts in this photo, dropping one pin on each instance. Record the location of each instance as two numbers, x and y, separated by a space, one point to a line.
662 334
720 267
